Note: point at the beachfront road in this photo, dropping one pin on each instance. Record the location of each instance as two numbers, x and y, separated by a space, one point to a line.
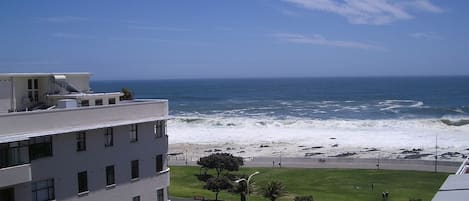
349 163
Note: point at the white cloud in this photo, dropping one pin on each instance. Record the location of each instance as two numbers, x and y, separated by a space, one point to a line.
425 35
65 19
375 12
317 39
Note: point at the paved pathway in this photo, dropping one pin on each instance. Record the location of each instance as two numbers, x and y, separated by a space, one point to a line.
350 163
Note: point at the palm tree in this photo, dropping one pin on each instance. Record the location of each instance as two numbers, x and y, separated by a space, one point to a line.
273 190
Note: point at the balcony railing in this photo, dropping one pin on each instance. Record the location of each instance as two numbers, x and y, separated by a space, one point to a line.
464 169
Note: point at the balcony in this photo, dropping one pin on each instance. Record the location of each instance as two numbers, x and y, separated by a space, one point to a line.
15 175
23 125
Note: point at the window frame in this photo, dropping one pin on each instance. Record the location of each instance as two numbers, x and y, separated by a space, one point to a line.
160 194
133 132
81 141
159 164
33 90
85 103
110 175
98 102
159 128
134 169
109 137
111 101
14 153
40 147
136 198
82 181
38 187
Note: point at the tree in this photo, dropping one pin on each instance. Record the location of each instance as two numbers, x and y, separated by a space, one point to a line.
220 162
304 198
273 190
217 184
128 95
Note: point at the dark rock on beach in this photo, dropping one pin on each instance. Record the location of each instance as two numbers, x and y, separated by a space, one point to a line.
413 151
416 156
455 123
263 146
313 154
335 145
451 154
346 154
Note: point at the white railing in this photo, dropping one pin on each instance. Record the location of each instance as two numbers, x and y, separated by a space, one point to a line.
464 167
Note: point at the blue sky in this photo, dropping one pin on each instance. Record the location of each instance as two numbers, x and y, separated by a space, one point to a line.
245 38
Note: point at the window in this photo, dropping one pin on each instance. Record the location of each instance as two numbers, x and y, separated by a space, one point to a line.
133 133
112 101
160 195
33 90
136 198
109 137
40 147
81 141
160 128
110 179
98 102
43 190
82 182
134 166
14 153
85 103
159 163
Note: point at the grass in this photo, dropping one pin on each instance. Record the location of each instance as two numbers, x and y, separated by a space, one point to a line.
322 184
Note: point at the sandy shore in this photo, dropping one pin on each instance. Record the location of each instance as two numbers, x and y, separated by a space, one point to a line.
192 151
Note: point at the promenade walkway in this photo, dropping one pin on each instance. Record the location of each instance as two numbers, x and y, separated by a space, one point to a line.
349 163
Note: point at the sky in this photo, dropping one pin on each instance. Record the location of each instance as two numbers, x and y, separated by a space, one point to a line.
158 39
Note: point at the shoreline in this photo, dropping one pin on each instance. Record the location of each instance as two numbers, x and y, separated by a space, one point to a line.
193 151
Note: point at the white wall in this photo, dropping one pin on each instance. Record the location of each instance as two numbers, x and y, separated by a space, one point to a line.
79 81
5 95
66 162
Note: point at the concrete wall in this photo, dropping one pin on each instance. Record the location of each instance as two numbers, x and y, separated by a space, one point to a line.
69 119
5 95
80 81
66 162
15 175
21 91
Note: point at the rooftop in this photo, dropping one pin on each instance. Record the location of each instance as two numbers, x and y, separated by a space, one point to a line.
456 187
41 74
23 125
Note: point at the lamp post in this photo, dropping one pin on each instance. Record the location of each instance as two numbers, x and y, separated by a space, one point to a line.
247 183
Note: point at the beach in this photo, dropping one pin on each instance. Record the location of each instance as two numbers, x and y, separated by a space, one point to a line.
391 139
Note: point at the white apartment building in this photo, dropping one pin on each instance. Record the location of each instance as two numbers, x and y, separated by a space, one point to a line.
60 141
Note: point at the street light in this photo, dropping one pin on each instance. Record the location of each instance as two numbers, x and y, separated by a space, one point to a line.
247 183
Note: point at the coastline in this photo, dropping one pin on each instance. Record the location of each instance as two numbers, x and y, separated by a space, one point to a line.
193 151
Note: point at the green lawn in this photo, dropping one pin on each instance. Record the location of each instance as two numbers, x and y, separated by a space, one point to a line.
323 184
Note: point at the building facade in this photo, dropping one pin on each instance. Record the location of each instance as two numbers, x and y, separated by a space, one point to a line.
61 141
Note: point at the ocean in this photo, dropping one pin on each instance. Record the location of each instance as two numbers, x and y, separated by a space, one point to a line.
383 112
